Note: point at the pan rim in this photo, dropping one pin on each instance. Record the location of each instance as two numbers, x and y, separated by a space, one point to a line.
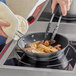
43 53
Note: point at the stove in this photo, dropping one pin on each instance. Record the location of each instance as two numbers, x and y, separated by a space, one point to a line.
22 60
18 59
12 60
15 62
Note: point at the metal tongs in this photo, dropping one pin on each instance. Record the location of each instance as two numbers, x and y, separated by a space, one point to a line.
56 28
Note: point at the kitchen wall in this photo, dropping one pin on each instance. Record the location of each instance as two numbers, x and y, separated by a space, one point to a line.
21 7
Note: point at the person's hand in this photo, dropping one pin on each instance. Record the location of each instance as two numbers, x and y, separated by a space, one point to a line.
64 4
5 24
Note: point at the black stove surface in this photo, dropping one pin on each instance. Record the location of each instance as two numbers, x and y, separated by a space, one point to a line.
70 54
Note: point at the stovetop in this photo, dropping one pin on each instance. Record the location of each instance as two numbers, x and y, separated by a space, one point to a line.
23 60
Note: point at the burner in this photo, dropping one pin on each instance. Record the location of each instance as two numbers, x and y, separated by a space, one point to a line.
65 61
59 62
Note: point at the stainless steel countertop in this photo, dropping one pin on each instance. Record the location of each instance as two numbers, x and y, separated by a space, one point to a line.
66 29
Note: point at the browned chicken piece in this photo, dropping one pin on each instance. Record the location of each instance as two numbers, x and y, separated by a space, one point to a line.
40 47
28 49
53 49
46 49
40 50
35 51
58 46
46 43
50 47
33 45
53 42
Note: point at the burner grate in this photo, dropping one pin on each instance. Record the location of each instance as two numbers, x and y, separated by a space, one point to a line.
25 61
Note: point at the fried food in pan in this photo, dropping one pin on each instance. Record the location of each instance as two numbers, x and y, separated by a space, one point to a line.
40 47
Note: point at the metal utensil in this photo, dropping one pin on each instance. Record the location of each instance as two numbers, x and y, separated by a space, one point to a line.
49 24
56 29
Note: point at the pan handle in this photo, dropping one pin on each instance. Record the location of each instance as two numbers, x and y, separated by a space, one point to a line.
19 34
